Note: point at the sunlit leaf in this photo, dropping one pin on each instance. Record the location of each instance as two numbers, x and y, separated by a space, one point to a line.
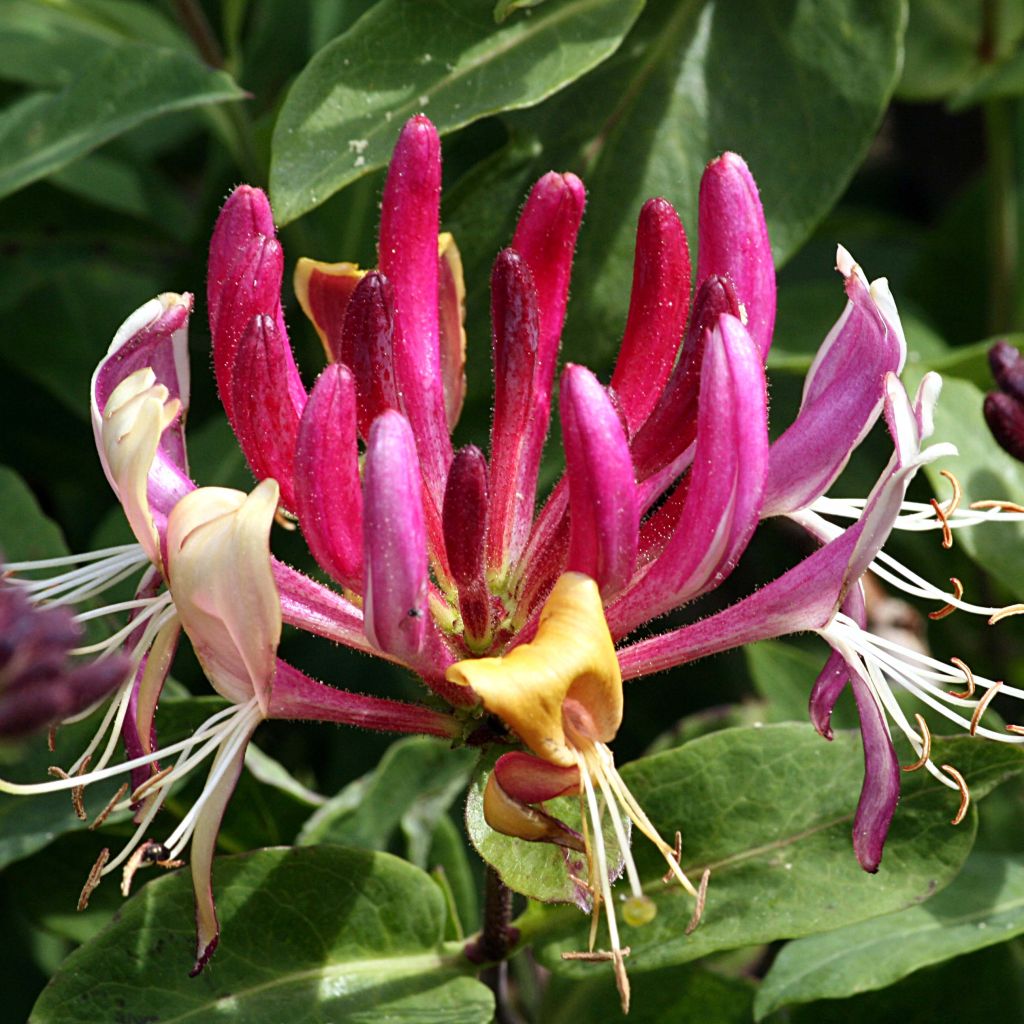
446 58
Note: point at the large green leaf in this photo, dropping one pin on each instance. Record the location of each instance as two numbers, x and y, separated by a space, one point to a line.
983 986
769 811
412 788
982 907
945 48
673 995
444 57
308 935
122 88
26 534
49 44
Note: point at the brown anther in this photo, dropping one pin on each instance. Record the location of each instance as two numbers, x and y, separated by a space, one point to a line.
968 675
702 895
51 739
1004 506
596 955
1005 613
111 804
983 703
926 746
94 878
146 786
948 609
677 852
1017 730
965 794
617 957
78 792
947 533
285 519
958 493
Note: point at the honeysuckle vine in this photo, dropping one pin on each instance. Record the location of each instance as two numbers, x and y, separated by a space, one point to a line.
521 624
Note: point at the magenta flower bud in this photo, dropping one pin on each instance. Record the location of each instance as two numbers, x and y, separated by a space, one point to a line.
244 280
604 514
328 492
672 426
394 540
658 307
520 415
410 216
733 243
465 531
265 384
546 238
367 347
725 487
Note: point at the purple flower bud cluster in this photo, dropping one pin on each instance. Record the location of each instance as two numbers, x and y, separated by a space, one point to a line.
40 683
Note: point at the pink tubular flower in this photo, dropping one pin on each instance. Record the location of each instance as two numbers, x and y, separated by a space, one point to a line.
442 562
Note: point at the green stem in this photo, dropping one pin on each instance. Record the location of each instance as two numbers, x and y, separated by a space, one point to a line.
1003 214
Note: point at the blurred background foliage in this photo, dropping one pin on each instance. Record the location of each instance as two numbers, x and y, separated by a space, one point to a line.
895 128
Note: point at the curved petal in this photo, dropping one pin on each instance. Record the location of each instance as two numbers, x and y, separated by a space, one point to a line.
134 418
222 582
154 336
843 395
223 778
572 657
323 291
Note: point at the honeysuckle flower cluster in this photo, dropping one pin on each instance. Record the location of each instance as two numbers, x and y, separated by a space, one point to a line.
442 562
1004 408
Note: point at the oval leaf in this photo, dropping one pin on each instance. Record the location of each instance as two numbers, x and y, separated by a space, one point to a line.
307 935
982 907
769 811
342 115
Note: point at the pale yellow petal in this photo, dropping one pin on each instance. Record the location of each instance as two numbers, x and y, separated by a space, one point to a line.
222 582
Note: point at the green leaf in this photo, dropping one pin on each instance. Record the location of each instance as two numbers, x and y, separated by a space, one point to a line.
541 871
119 90
985 472
307 935
445 57
689 83
412 788
50 44
504 8
944 44
982 986
26 534
769 811
674 995
983 906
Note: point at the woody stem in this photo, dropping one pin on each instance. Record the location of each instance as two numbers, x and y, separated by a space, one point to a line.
497 936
